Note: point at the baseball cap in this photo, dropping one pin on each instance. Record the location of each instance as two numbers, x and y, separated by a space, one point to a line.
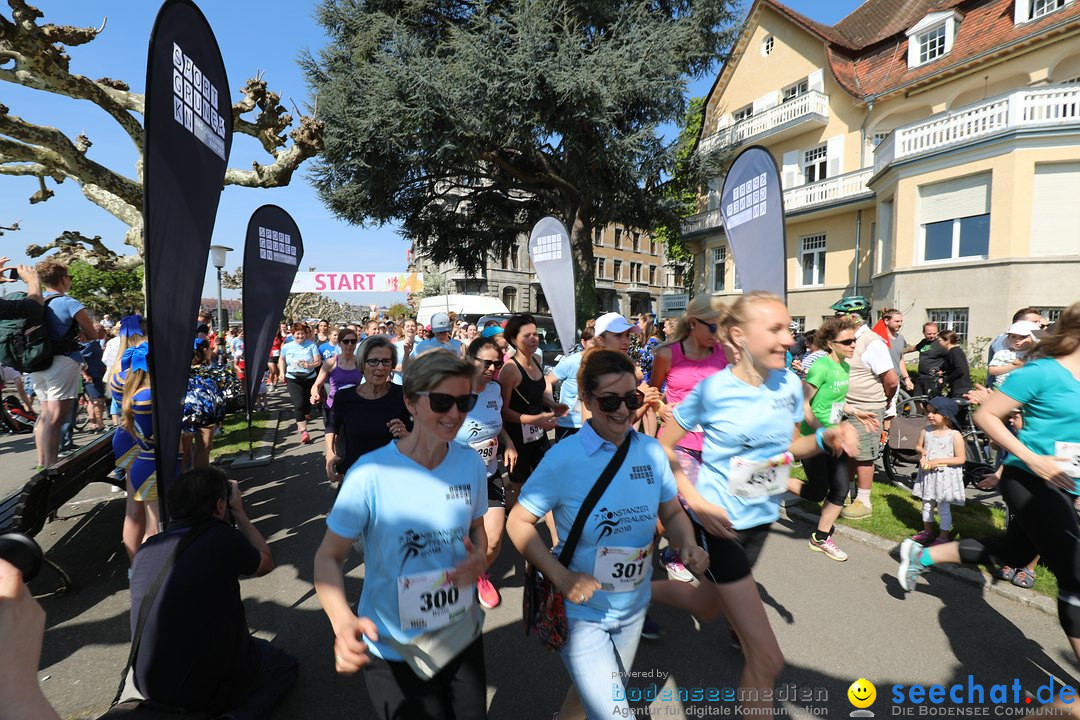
1023 328
613 322
440 322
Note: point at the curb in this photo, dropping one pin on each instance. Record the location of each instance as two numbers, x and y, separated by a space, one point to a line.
263 455
971 576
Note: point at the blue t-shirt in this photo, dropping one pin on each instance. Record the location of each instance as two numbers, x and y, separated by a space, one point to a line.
453 346
419 530
59 316
567 371
328 351
625 515
296 352
739 419
1050 395
91 355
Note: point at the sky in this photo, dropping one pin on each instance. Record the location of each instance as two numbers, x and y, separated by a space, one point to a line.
254 36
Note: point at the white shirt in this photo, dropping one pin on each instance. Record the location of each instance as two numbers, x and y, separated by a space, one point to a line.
876 356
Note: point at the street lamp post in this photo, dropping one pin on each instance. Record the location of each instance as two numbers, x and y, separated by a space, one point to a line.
217 258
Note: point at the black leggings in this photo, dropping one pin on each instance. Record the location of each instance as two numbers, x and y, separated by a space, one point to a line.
529 454
827 478
300 394
1043 523
457 692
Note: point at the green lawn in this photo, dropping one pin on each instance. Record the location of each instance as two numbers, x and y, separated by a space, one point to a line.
234 437
898 515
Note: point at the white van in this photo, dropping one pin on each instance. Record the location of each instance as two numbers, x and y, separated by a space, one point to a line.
467 307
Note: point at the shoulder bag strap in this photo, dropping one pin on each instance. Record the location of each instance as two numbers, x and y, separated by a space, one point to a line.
151 595
592 498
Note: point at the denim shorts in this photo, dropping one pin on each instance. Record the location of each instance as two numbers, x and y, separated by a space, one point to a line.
598 655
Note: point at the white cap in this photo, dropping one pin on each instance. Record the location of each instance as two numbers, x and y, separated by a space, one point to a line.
613 322
1024 328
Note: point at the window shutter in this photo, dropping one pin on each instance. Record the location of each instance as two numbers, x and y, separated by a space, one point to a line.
790 168
1021 11
765 102
816 81
952 199
834 151
1055 212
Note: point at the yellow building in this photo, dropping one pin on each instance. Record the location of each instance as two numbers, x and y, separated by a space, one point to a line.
929 153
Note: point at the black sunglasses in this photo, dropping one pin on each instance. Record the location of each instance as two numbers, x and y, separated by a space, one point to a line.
490 363
611 403
442 402
711 326
376 362
347 342
849 341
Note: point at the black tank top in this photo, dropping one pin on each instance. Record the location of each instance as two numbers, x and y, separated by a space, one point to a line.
528 396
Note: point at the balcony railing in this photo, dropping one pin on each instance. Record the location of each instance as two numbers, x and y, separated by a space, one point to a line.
702 222
605 284
1057 105
808 107
638 287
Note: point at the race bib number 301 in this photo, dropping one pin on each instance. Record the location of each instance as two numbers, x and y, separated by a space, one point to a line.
428 601
759 478
622 569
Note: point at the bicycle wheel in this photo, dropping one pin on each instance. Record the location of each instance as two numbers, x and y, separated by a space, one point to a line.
902 466
82 417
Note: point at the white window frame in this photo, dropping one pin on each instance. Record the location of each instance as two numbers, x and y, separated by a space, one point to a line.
1052 313
652 275
931 44
955 319
742 114
800 323
928 29
719 266
600 268
616 270
767 45
812 249
954 251
818 158
793 91
1042 8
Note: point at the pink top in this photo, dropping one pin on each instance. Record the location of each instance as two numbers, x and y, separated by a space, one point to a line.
684 375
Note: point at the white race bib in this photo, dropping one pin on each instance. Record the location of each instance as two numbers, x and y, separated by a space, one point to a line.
531 433
487 449
428 601
836 413
759 478
622 569
1071 451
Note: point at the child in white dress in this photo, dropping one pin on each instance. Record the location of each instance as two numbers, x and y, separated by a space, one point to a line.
941 475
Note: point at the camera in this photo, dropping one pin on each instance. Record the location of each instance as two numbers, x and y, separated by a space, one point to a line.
22 552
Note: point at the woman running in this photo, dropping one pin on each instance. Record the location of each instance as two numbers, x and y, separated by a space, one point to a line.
275 355
369 415
419 505
342 371
606 582
748 413
483 432
1040 475
298 365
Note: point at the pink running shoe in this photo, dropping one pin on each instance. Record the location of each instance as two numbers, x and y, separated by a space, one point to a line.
489 596
924 537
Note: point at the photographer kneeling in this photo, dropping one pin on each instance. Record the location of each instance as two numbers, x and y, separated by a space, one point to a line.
195 651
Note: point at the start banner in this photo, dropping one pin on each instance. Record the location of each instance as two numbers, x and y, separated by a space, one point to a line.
357 282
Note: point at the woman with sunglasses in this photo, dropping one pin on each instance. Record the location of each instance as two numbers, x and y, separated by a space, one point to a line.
369 415
748 413
419 505
606 585
828 477
483 432
299 364
341 371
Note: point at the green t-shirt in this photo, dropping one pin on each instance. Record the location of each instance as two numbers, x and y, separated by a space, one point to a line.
831 380
1051 399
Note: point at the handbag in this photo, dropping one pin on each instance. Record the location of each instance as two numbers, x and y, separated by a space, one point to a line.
427 654
543 608
142 709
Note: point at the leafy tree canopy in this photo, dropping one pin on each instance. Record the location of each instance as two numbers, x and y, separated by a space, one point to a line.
469 121
116 291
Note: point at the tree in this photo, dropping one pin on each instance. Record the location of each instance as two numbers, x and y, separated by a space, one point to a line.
35 56
468 122
398 311
435 283
115 291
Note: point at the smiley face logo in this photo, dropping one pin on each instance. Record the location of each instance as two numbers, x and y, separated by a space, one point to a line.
862 693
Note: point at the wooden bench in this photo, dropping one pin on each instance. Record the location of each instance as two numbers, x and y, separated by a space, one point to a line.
28 509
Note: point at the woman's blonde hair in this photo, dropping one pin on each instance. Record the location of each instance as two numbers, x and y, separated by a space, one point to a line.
703 307
136 380
738 315
1064 336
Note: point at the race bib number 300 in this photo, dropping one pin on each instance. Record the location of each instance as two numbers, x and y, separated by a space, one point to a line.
622 569
428 601
759 478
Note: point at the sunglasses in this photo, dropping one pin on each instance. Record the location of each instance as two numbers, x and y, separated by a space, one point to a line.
611 403
849 341
376 362
348 342
490 363
442 402
712 328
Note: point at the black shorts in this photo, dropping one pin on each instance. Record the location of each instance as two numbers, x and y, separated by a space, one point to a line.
496 490
731 560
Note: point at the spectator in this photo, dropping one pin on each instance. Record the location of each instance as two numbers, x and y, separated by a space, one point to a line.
11 381
93 373
29 307
441 327
931 360
1027 314
200 655
898 346
107 321
955 373
404 347
1019 340
371 329
58 386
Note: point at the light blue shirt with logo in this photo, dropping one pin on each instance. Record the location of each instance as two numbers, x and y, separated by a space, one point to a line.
296 352
567 371
625 515
453 346
740 420
413 520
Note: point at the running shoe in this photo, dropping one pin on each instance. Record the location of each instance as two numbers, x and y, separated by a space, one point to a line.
650 630
675 568
827 546
938 541
857 511
305 439
910 568
489 595
924 537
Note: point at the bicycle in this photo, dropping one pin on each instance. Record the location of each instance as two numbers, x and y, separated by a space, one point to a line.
900 460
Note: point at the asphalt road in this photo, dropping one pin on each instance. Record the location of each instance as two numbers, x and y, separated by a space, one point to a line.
835 622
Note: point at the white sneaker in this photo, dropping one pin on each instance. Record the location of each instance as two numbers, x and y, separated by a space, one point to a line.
829 548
